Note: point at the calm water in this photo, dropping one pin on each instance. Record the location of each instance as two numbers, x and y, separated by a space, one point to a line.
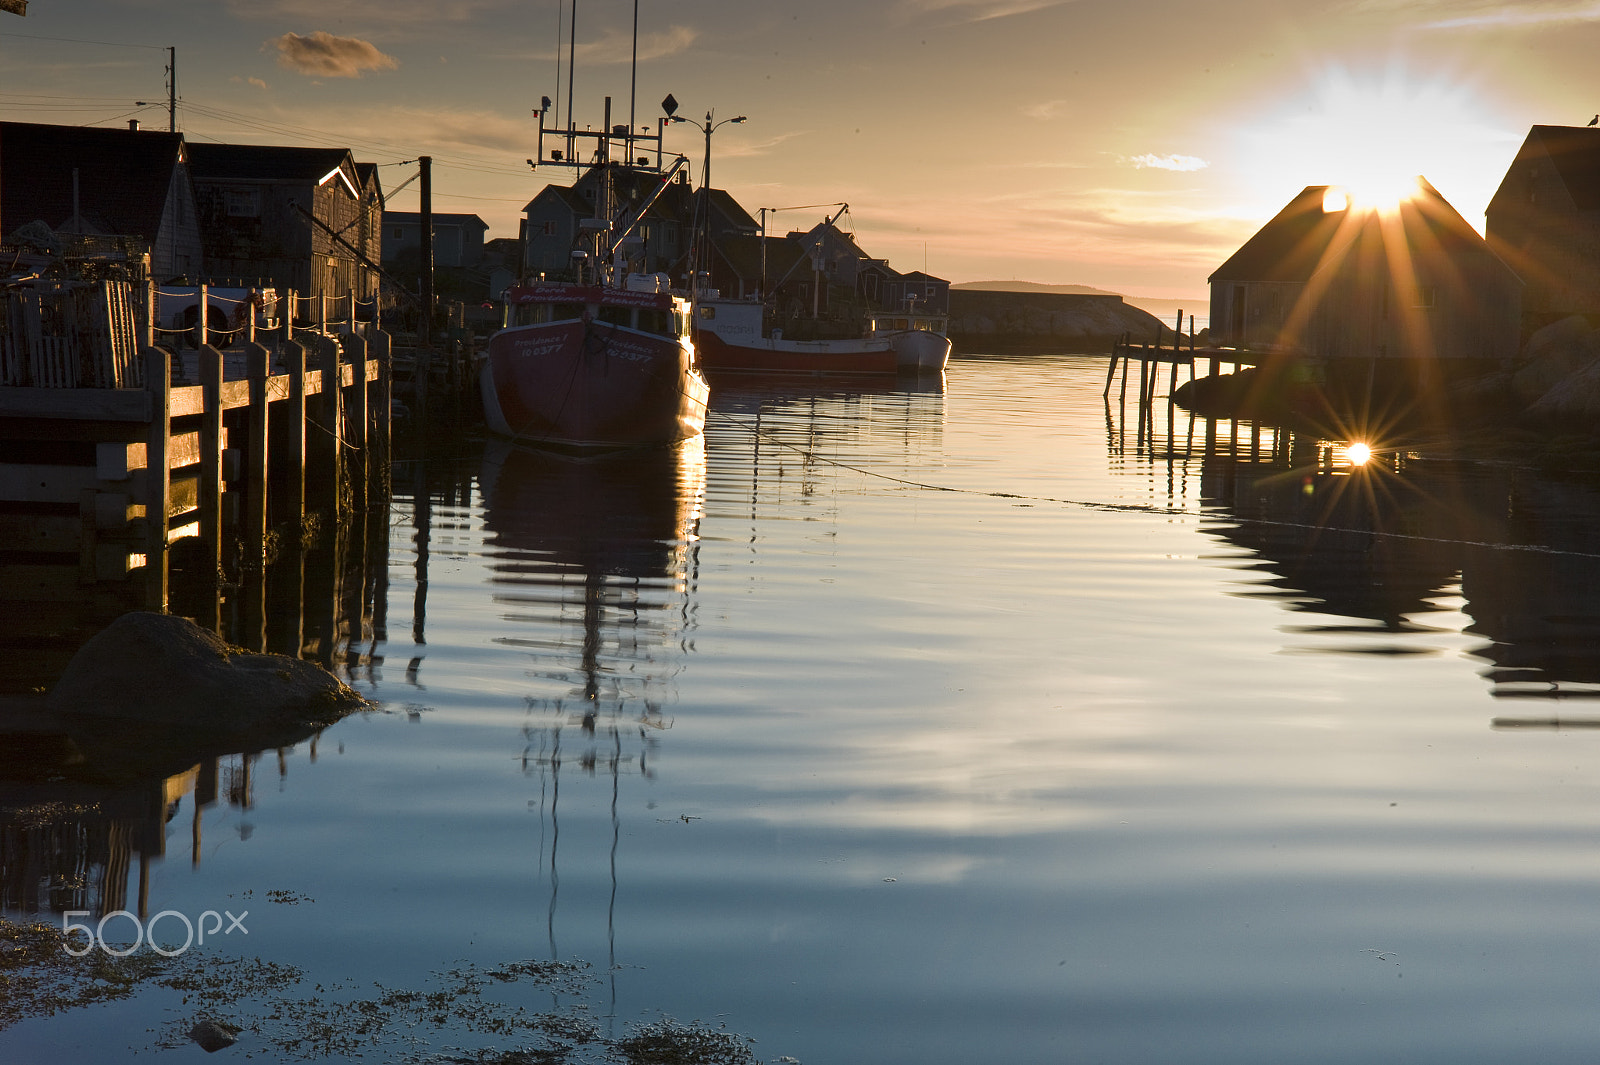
955 725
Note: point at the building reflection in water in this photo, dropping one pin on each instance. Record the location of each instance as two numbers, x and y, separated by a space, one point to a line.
594 562
1384 542
80 821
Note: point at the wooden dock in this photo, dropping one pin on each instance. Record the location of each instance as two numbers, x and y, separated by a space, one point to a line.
115 451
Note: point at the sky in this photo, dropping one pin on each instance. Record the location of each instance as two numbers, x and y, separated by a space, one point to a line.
1127 144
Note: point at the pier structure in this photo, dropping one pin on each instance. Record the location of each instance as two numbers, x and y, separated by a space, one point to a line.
118 454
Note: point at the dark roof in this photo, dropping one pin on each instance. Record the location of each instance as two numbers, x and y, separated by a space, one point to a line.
742 253
1302 238
263 162
1289 247
1575 153
123 176
439 218
368 175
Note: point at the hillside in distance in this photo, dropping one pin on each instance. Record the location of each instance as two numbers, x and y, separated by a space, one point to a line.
1032 286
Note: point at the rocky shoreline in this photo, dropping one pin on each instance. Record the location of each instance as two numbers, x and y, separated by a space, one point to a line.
1045 323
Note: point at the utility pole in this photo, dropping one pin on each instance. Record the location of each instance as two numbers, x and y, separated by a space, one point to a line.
172 90
422 368
425 334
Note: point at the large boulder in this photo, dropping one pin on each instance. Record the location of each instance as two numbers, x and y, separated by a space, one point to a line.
153 694
1553 354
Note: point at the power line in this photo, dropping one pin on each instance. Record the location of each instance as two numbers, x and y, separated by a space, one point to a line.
81 40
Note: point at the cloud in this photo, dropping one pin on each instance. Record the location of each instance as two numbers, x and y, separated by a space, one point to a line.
389 14
1509 17
616 46
322 55
1492 14
257 82
977 10
1047 110
1183 163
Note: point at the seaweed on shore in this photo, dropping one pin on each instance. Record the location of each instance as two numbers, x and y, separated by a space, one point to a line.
253 999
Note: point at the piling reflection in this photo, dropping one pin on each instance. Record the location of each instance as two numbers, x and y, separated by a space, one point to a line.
84 814
1389 542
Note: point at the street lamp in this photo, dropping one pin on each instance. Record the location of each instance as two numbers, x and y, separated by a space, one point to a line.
708 127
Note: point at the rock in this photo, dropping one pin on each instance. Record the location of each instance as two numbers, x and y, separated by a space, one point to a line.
160 668
212 1036
998 323
1575 397
1554 353
153 694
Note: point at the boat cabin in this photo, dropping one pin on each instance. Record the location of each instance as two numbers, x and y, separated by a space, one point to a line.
882 324
637 307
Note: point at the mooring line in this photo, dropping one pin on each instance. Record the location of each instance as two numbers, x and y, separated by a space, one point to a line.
1153 508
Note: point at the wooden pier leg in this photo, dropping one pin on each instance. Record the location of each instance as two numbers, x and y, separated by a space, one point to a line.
381 348
158 475
330 441
253 567
1111 369
294 461
360 390
211 477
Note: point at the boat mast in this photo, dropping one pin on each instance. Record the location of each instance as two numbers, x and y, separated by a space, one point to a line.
572 61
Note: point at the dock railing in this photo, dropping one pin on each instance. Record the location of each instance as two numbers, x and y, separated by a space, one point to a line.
115 448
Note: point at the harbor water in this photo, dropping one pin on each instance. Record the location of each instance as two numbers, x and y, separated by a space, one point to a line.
963 721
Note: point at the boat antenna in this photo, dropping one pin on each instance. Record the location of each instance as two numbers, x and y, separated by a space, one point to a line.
633 82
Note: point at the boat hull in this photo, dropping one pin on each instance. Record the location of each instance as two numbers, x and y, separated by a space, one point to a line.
583 384
871 356
920 351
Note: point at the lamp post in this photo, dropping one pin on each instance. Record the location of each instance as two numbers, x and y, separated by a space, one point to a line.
708 127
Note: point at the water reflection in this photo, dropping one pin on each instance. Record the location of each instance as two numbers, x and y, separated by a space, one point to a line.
593 563
1400 538
81 808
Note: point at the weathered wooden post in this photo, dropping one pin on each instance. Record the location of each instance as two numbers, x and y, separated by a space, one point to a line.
210 495
253 567
326 456
360 459
381 348
157 484
294 435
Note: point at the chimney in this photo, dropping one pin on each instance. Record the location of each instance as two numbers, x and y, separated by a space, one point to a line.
133 124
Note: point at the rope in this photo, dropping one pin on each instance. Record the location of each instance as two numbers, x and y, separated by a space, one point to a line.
1153 508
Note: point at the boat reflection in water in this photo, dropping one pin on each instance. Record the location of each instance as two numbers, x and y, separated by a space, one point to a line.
594 562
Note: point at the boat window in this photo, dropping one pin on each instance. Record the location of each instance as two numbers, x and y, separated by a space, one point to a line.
564 311
616 315
708 313
900 323
657 321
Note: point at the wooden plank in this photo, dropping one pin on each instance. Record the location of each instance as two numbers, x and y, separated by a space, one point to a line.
114 510
26 483
40 532
85 404
117 462
39 583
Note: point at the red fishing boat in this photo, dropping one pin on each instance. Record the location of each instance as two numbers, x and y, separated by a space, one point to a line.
593 366
729 336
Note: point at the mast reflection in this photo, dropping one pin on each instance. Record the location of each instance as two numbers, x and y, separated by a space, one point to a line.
594 562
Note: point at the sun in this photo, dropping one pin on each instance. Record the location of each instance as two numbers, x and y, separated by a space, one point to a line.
1373 134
